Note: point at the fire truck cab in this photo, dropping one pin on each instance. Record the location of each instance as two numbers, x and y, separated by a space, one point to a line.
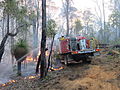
76 48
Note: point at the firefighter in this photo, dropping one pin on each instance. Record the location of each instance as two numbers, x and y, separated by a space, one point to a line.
62 38
93 43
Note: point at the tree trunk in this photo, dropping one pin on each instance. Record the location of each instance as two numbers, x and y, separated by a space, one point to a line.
2 45
19 68
50 52
67 17
12 40
43 41
3 28
104 24
119 32
36 28
38 63
35 40
35 31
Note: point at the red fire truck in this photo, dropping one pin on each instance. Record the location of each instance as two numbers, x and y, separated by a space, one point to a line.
76 49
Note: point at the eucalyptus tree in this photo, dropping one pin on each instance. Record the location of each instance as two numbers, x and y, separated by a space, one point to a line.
36 25
78 26
43 68
101 16
67 15
12 10
116 4
114 18
49 34
67 12
33 7
88 19
114 21
51 31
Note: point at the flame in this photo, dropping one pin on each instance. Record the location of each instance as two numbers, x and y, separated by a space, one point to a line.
30 77
38 54
10 82
56 69
3 85
30 57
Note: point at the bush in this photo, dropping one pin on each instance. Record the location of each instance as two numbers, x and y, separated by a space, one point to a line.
115 42
20 49
22 43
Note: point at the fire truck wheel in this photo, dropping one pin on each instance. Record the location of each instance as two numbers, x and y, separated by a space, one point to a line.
66 60
86 60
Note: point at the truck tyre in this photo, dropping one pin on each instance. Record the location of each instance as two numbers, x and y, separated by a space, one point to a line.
86 60
66 60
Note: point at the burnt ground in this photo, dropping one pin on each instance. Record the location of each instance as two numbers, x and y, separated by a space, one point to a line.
103 73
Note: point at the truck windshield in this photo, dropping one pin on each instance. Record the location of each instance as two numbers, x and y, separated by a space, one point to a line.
73 44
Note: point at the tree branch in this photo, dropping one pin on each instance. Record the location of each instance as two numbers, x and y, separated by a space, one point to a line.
14 34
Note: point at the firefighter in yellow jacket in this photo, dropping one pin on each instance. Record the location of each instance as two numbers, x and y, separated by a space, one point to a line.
62 38
93 43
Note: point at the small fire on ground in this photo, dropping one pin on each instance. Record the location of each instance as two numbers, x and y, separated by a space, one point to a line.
10 82
30 77
56 69
30 57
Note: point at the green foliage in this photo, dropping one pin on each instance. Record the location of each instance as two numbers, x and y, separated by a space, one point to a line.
78 26
115 42
2 3
12 8
51 26
32 15
109 56
20 49
22 44
114 18
107 32
21 13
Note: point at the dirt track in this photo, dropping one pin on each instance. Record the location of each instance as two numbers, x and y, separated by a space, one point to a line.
102 74
94 76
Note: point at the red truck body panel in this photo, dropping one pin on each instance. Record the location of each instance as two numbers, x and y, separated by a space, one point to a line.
64 46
